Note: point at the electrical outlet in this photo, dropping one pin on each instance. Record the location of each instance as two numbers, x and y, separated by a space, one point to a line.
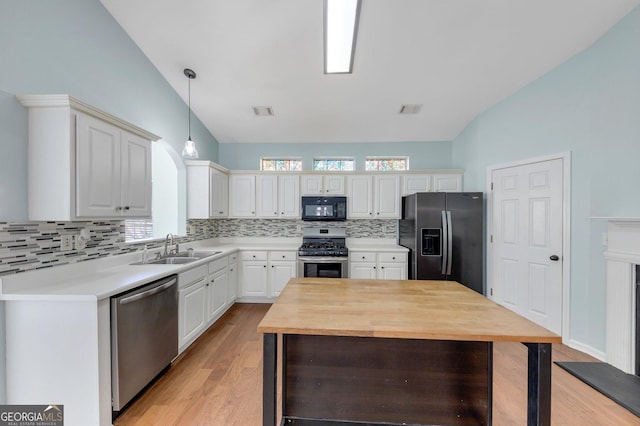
299 228
79 242
66 242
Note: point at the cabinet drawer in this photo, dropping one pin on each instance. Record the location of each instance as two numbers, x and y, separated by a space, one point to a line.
189 277
362 256
218 264
253 255
393 257
283 255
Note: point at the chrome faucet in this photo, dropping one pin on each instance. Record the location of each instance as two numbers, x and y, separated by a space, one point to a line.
168 240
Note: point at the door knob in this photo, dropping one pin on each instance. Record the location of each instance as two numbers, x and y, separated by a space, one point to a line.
554 257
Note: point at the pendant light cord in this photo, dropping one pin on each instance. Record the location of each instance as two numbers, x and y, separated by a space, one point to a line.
189 78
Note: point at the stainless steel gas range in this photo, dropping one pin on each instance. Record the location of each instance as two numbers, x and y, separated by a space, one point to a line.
323 253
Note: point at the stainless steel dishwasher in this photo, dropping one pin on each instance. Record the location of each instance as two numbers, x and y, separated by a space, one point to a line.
144 337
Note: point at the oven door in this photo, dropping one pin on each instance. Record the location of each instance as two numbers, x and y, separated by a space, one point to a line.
322 267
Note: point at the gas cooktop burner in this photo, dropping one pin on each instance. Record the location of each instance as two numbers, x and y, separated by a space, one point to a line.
323 242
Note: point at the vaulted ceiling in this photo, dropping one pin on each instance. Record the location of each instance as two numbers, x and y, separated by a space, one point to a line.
456 58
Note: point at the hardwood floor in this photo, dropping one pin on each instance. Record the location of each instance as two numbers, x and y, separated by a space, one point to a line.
218 381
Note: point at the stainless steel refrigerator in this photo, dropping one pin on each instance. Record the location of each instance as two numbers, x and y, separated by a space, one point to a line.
444 233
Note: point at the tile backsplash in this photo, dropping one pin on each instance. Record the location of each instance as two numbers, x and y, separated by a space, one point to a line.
34 245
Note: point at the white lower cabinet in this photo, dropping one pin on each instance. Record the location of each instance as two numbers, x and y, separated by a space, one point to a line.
217 288
382 266
254 273
192 305
265 273
232 289
204 294
282 267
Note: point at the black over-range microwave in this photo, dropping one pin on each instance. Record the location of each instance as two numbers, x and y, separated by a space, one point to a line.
324 208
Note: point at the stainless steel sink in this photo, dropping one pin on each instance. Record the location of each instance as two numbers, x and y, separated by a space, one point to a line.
200 254
180 258
169 261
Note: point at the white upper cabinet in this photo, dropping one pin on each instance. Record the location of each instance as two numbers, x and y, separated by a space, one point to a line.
386 199
242 195
207 190
373 196
219 193
267 193
360 202
289 196
447 183
416 183
276 196
322 184
113 171
85 163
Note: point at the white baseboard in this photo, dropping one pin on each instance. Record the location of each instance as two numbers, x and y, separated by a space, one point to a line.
586 349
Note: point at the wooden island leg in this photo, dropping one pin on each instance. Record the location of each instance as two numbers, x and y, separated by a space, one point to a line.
539 384
269 379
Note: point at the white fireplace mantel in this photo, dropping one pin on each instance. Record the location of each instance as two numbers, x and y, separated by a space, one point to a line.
623 253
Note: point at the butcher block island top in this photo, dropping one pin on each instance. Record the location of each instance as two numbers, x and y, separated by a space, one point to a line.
407 309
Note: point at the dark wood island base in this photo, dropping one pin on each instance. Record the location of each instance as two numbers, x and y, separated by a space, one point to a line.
334 376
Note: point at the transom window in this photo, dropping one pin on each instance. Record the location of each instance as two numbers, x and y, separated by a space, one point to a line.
386 163
280 164
334 164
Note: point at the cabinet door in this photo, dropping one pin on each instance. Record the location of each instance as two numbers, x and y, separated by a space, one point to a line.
392 271
136 175
254 279
415 183
334 185
312 185
267 196
198 190
232 289
289 196
218 286
447 183
362 270
219 193
242 195
279 275
360 204
387 196
98 177
192 310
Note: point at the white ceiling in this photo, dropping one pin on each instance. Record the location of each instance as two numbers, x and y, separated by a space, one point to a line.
456 57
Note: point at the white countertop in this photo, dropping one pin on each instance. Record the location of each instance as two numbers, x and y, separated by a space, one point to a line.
102 278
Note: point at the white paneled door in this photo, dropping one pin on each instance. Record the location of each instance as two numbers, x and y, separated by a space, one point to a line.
527 241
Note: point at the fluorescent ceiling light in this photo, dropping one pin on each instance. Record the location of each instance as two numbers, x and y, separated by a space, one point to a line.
340 29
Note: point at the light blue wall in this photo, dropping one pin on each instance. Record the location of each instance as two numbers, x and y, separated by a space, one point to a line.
422 155
76 47
590 106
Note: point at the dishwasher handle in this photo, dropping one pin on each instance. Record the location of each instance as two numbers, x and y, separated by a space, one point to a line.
148 293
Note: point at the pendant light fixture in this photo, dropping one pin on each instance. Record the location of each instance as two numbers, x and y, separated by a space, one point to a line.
190 150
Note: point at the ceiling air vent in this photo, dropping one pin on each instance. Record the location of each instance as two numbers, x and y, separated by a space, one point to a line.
410 108
263 111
